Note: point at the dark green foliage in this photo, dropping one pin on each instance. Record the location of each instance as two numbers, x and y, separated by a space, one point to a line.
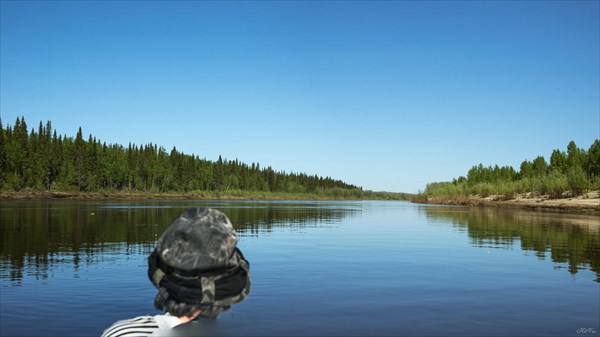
576 157
545 234
558 161
38 160
570 173
593 160
577 180
540 167
3 164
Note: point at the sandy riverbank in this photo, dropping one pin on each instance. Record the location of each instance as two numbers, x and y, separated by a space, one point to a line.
588 203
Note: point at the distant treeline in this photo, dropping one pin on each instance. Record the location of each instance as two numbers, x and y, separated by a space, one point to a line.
42 160
569 173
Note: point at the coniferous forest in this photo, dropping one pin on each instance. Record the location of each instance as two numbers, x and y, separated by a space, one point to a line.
40 159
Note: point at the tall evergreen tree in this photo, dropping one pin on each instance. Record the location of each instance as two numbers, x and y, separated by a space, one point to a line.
80 160
3 160
21 153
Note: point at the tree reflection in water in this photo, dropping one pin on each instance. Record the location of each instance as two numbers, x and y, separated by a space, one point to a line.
570 239
42 235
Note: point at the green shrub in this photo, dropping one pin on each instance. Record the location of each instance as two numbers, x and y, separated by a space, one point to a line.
485 189
554 185
577 180
13 181
595 183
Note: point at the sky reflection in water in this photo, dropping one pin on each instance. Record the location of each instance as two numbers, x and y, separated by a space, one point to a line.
318 268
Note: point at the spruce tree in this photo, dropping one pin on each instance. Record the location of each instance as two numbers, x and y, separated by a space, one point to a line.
80 160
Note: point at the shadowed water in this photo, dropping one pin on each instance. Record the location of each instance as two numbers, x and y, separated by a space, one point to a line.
318 268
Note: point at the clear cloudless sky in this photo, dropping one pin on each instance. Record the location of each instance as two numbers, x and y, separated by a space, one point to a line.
384 95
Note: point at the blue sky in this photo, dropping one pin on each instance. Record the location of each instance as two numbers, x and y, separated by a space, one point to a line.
384 95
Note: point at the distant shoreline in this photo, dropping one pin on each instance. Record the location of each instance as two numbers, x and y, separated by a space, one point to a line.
589 203
140 195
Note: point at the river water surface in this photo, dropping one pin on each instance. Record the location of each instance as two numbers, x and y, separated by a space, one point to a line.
330 268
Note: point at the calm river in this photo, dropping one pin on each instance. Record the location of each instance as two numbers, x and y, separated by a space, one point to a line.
331 268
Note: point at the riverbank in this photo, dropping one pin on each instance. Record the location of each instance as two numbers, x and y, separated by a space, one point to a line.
198 195
588 203
20 195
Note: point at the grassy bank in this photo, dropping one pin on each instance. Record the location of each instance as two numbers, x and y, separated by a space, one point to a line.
568 176
329 194
586 203
553 186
